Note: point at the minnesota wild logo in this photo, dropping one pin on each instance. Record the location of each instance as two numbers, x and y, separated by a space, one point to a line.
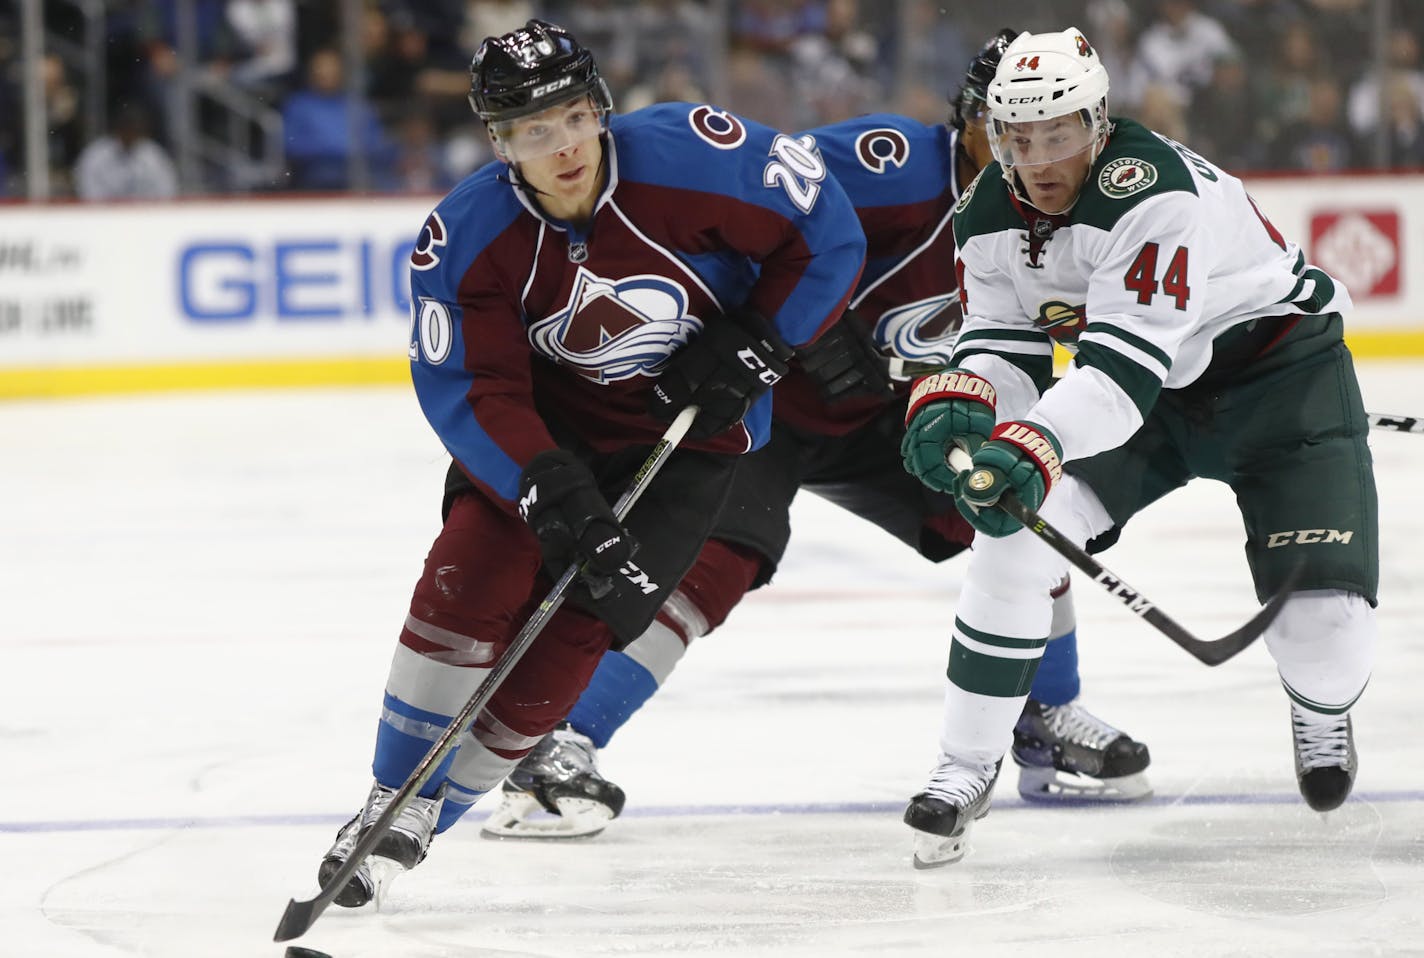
968 192
1062 321
1125 176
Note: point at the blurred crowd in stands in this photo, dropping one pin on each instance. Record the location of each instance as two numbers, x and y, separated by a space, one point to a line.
1279 85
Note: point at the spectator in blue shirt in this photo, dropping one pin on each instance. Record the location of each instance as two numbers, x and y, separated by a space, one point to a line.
317 130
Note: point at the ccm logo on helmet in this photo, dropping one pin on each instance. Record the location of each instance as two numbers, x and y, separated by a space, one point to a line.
550 87
1025 99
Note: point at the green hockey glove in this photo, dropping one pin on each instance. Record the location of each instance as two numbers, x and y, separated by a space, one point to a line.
1020 457
952 408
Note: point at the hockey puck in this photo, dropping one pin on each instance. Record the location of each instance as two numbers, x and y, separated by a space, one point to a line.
294 952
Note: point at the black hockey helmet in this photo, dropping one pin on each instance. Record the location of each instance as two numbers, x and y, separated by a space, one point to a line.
531 69
976 78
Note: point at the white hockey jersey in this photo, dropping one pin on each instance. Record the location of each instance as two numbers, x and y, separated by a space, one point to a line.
1162 253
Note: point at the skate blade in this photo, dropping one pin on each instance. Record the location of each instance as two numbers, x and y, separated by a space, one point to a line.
521 816
1049 785
384 872
936 851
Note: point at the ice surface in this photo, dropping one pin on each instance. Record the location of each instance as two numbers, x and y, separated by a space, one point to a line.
198 597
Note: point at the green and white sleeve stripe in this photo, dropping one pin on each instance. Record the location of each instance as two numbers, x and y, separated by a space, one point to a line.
1029 350
1137 366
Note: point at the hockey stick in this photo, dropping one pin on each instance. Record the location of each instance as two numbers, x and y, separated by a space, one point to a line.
913 369
1210 652
1395 423
301 915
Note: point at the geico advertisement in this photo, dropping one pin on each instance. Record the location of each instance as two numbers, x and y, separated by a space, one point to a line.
265 278
206 281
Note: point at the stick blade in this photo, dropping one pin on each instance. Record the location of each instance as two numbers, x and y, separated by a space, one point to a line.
298 918
1229 645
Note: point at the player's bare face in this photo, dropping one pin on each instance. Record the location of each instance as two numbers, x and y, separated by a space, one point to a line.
559 153
1051 157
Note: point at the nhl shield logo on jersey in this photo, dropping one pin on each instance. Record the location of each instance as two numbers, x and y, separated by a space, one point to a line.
613 329
1125 176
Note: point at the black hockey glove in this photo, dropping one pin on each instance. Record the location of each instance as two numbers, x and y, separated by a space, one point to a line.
560 500
724 370
844 363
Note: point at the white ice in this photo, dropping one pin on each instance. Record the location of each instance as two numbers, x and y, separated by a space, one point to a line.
198 600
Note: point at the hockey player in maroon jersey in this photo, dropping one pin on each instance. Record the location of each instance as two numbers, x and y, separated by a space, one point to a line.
837 432
568 300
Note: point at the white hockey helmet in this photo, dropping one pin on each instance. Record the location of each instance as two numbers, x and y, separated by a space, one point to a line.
1043 77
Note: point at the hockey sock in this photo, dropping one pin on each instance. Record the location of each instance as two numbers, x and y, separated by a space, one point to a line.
402 739
458 801
625 680
1323 642
1057 681
619 687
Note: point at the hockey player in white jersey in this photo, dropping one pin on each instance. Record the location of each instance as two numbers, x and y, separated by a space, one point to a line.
1204 345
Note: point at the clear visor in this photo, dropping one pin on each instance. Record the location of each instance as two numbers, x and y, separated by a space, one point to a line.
1040 142
549 131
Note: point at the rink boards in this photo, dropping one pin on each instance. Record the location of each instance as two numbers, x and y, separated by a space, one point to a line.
281 292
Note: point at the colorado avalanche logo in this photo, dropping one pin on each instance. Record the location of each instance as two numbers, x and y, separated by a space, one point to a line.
880 149
614 329
924 331
427 246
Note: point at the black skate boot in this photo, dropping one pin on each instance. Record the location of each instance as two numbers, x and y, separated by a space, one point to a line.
556 792
1325 759
956 797
1066 752
401 848
360 887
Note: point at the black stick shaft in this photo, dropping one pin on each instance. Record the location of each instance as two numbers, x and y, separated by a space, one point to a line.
913 369
1209 652
301 915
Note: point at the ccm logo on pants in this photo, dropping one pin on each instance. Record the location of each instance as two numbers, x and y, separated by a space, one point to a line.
1307 537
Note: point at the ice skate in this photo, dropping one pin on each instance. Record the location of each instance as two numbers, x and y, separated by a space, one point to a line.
956 797
556 792
401 848
1325 759
360 887
1064 752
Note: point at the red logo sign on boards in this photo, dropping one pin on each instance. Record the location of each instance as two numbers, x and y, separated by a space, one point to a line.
1360 248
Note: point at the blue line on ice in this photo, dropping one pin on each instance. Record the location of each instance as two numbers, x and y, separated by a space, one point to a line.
670 811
